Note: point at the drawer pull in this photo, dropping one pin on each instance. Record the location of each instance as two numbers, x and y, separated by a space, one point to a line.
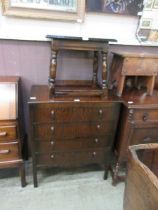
52 112
145 117
3 152
98 126
52 142
100 111
52 128
52 156
94 153
147 139
3 133
96 140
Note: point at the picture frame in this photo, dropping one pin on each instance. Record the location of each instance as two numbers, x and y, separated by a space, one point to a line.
149 5
126 7
146 23
67 10
155 5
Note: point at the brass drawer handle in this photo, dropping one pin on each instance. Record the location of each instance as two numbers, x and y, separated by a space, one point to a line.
145 117
94 154
147 139
52 128
52 142
52 156
96 140
3 133
100 111
4 152
98 126
52 112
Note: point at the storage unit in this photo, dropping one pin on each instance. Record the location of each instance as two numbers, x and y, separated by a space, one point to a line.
138 125
11 134
144 67
71 132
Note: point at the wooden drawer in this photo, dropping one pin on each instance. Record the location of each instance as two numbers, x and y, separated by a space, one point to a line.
8 133
146 115
144 135
71 131
48 113
78 158
9 151
71 145
140 66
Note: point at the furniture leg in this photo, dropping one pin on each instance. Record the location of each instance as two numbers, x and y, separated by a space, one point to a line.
35 182
120 86
22 175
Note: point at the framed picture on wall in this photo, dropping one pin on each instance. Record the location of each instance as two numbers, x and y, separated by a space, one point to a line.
155 4
72 10
126 7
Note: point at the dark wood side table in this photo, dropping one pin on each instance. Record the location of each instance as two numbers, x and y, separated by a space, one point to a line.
71 131
11 137
138 65
138 124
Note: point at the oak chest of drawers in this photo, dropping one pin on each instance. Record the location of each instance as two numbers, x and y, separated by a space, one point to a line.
11 134
138 125
71 132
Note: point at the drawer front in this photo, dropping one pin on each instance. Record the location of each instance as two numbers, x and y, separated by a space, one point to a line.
75 159
140 66
8 133
48 113
144 135
9 152
146 115
71 131
44 147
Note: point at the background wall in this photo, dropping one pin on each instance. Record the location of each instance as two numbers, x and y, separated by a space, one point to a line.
120 27
24 50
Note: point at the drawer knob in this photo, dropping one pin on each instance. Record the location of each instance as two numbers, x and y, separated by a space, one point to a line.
3 133
52 142
52 112
52 156
145 117
147 139
100 111
52 128
96 140
98 126
94 153
3 152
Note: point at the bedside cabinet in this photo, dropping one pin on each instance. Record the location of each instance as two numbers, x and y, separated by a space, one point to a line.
71 132
138 125
10 126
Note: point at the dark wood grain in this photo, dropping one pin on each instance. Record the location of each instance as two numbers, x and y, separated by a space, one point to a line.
11 132
70 131
141 190
138 125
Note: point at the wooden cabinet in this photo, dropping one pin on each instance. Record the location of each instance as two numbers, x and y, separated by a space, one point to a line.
138 125
142 70
10 126
70 132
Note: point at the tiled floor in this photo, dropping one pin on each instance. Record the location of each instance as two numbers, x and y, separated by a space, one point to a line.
61 190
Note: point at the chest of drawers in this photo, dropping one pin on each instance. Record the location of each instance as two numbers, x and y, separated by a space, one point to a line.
68 132
138 125
10 126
